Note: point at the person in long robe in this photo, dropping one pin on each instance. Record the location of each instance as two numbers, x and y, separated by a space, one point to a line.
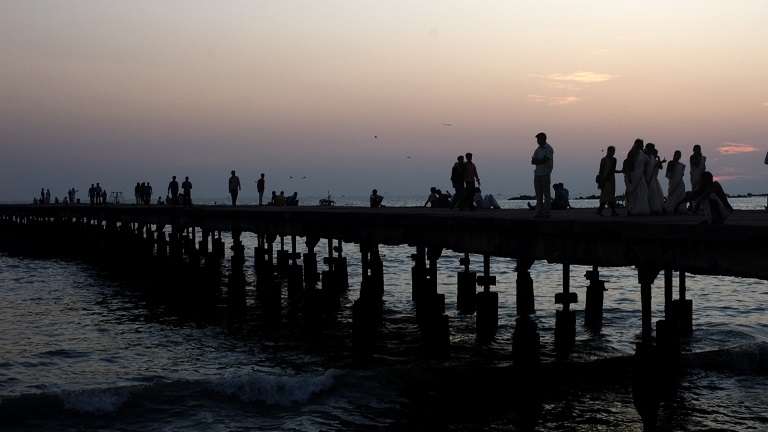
637 192
698 166
676 189
655 193
606 181
709 200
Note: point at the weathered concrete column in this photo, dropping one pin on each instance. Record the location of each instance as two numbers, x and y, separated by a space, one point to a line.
367 310
683 308
524 287
667 335
466 288
565 319
310 262
162 243
593 308
418 272
295 272
647 275
487 321
335 280
283 259
430 310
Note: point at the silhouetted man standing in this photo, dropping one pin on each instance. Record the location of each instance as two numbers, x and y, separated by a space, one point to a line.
234 188
261 184
186 188
470 177
543 158
173 189
457 179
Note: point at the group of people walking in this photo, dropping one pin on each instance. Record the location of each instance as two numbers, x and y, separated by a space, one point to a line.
644 194
96 194
143 193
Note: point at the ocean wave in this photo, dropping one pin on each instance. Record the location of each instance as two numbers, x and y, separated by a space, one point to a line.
751 358
261 387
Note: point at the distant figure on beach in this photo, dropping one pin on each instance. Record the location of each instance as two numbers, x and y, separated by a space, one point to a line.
484 201
676 189
457 179
562 200
543 158
173 190
186 192
698 166
655 193
261 184
234 188
606 181
709 200
637 190
375 199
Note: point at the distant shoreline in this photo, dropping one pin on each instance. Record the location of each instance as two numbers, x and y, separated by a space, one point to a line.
621 197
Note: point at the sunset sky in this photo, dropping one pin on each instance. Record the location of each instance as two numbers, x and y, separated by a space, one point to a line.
362 94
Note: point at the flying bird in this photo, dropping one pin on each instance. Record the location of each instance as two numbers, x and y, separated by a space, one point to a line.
447 124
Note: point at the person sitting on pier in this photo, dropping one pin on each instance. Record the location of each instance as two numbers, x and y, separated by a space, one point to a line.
186 194
438 199
375 199
159 201
234 188
562 197
606 181
280 200
292 200
709 200
485 202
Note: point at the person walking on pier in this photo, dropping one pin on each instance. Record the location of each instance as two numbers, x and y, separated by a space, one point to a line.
186 188
676 190
637 189
457 180
173 190
261 184
234 188
543 158
606 181
698 166
655 194
470 177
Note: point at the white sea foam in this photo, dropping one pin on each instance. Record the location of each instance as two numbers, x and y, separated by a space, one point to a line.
274 389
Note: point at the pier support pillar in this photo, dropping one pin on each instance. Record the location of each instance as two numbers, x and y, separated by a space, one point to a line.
430 309
466 289
565 319
367 310
524 287
202 245
647 275
335 280
418 272
487 321
162 243
593 309
682 308
295 272
283 259
310 263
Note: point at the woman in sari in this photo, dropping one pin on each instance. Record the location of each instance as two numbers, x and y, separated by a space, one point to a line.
637 191
655 194
676 190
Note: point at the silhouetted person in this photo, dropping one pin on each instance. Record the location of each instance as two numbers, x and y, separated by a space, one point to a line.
137 191
484 201
655 194
281 201
709 199
562 197
543 159
234 188
98 194
457 178
92 194
104 196
375 199
606 181
261 184
676 189
42 196
186 188
173 190
637 189
273 200
292 200
698 164
47 196
471 180
149 193
434 196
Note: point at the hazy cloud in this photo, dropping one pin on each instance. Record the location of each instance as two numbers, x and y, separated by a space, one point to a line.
731 148
584 77
765 104
553 100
